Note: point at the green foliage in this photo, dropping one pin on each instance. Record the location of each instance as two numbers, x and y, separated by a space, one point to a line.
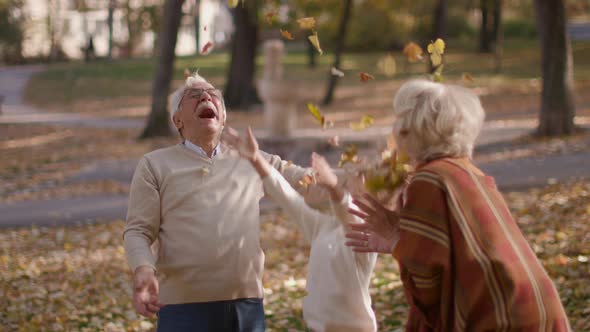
11 30
520 28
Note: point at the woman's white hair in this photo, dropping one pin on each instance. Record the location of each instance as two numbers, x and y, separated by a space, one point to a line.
176 96
437 120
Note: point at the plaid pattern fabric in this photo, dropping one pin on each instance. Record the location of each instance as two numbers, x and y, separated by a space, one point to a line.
465 264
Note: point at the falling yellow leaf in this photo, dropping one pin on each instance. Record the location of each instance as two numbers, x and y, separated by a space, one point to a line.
286 34
316 42
336 72
467 77
366 77
413 52
320 118
436 50
387 65
350 155
233 3
306 23
366 122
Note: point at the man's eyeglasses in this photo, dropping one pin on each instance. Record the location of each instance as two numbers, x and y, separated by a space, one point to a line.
197 93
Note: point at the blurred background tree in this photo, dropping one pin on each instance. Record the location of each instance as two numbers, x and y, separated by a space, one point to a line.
12 19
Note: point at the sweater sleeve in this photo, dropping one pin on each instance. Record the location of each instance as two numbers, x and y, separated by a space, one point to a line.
143 217
281 192
316 196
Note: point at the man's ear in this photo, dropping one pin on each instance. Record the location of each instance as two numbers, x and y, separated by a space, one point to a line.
177 121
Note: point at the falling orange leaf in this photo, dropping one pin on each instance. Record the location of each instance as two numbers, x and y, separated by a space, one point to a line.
207 48
366 77
306 23
413 52
286 34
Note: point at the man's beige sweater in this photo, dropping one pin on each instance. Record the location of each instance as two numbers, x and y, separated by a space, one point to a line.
204 214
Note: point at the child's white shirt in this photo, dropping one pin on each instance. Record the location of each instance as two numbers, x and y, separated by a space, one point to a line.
338 279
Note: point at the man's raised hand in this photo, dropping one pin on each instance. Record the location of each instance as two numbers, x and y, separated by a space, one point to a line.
247 148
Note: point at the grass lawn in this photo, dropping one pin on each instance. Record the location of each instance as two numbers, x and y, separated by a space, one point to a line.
100 85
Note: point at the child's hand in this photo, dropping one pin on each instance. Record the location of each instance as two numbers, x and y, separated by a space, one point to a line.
247 148
323 172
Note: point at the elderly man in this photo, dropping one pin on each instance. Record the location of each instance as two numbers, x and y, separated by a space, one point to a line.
199 202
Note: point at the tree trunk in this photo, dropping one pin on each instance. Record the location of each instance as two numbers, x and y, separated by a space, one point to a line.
240 91
440 20
333 79
557 106
158 122
484 36
110 24
311 55
498 35
197 23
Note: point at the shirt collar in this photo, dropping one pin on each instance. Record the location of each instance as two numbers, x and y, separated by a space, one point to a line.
199 150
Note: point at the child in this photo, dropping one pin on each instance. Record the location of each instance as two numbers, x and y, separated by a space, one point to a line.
338 279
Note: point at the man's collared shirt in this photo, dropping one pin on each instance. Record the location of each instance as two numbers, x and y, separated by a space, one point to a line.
199 149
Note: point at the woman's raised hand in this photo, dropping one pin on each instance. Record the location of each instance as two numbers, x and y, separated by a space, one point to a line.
379 233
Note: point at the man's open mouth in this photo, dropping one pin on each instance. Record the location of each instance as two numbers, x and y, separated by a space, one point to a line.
208 113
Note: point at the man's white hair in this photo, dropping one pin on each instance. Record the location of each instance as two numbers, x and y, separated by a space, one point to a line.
176 97
438 120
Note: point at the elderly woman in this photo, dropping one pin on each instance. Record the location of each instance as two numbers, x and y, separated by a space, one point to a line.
465 264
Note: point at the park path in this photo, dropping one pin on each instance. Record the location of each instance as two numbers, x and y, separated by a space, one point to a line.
515 174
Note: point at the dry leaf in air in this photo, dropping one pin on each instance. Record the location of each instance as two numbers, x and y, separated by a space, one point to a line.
286 34
316 42
413 52
366 77
306 23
